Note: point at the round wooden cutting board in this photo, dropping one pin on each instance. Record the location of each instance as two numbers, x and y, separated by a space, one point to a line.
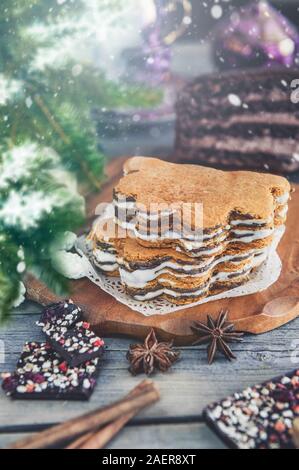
256 313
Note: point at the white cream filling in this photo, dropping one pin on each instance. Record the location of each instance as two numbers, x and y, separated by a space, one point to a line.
106 267
171 235
191 243
124 205
145 216
255 235
191 246
168 235
283 212
250 222
104 256
157 293
280 200
258 235
125 225
139 278
175 294
283 199
169 265
223 276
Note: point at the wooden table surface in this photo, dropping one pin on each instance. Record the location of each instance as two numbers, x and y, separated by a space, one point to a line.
176 420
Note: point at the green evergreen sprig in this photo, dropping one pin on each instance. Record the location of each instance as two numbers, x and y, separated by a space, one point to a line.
48 144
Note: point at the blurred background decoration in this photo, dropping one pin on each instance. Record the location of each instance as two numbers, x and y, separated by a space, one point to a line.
146 58
204 41
80 79
53 68
256 35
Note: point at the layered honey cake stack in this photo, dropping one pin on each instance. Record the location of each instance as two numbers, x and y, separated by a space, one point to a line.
158 252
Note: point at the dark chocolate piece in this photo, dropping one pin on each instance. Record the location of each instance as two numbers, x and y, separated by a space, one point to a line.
41 374
64 313
260 417
71 338
75 345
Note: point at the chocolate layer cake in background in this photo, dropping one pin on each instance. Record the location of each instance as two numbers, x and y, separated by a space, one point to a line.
242 119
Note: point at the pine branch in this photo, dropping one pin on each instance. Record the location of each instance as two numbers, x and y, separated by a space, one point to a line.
8 294
45 127
9 276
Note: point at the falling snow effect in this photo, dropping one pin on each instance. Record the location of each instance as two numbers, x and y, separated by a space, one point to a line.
26 210
20 162
8 89
56 77
255 34
68 38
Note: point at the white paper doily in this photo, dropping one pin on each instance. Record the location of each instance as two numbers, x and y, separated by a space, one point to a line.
264 277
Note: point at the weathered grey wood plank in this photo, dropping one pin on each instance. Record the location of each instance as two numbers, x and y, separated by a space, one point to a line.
185 390
22 327
167 436
27 307
182 436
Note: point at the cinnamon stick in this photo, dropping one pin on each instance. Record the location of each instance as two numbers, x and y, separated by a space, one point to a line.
82 424
296 432
100 437
77 443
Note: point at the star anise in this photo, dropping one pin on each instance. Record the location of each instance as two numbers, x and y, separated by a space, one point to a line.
151 355
218 333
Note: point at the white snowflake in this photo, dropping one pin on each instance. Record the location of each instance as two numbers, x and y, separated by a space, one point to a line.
216 11
24 211
235 100
28 102
70 39
21 295
19 162
8 89
25 207
21 267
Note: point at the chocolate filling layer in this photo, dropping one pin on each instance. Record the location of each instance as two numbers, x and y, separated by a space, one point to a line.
248 130
226 110
118 196
156 263
233 159
143 292
106 247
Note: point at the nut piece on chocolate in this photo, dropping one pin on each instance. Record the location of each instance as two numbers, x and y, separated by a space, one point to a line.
68 335
75 345
64 313
41 374
259 417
